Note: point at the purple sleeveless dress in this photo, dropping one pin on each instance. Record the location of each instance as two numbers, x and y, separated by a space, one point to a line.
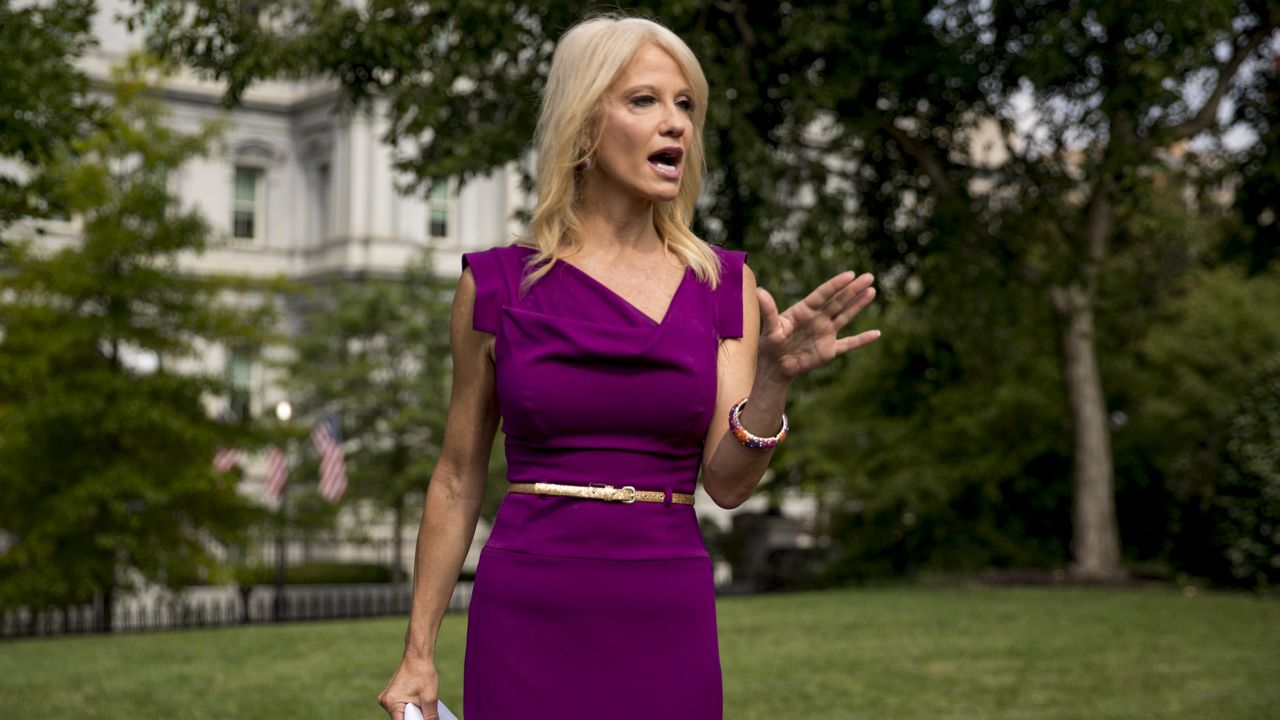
584 609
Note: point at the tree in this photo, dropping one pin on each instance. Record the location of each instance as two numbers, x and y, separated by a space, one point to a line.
1256 240
1203 386
980 150
1114 83
46 99
979 199
106 476
374 351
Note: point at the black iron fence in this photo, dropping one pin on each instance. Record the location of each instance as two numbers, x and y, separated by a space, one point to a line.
256 605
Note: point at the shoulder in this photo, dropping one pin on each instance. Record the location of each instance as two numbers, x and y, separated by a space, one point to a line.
489 278
737 284
496 266
733 264
735 274
727 255
499 254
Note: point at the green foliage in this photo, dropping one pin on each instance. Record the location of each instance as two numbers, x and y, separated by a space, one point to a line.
1197 488
46 100
105 440
471 74
375 351
948 449
1255 240
829 123
1246 499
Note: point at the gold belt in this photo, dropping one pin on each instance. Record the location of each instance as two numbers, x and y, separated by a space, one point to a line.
625 494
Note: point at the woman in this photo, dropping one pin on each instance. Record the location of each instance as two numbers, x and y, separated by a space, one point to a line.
618 350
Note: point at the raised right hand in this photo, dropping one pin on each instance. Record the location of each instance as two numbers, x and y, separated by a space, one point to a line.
415 681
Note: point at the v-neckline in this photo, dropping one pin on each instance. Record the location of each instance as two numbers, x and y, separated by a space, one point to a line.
670 303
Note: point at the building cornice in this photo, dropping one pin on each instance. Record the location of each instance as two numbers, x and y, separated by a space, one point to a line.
287 98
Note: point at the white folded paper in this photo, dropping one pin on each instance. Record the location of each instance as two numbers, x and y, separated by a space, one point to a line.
411 712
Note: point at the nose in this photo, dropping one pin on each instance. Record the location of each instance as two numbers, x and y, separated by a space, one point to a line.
674 122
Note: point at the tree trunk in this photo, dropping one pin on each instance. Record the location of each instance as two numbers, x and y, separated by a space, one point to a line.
1095 541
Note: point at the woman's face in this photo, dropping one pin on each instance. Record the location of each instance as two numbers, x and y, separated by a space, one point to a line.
648 126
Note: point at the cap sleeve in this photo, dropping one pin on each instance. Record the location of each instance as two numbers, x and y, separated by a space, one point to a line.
729 293
486 270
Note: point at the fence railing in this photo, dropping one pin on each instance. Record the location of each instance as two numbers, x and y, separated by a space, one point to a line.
299 602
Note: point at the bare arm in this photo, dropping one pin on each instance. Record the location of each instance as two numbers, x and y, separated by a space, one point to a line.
730 472
452 506
763 367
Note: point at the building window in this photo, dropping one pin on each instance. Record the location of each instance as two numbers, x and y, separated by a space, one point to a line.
438 211
322 201
246 216
240 380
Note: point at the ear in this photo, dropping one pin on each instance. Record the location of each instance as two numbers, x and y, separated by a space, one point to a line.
587 135
582 155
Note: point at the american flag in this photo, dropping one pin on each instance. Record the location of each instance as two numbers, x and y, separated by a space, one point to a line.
225 459
277 473
333 468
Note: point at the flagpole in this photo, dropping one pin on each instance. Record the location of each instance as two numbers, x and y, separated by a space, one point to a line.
284 411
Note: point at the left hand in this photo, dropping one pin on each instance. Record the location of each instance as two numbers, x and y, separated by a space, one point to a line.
804 337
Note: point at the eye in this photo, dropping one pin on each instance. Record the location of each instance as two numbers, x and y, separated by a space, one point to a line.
642 100
686 104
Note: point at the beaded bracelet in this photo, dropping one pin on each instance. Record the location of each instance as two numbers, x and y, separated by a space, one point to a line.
753 441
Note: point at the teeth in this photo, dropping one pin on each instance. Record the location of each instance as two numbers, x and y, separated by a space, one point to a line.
665 166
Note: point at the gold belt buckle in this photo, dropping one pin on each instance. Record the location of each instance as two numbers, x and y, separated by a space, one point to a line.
611 496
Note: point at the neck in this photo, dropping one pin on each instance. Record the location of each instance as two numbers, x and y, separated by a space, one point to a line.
616 221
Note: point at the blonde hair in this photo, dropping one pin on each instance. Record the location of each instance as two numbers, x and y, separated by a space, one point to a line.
587 61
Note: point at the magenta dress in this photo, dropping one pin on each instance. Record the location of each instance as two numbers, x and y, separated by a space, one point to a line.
583 609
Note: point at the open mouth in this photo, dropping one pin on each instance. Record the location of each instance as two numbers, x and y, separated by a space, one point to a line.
667 161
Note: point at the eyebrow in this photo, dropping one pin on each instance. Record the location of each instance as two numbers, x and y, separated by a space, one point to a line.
653 89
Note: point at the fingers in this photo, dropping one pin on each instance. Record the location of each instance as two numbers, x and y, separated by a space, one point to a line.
401 710
768 311
859 303
411 711
427 710
828 290
839 299
848 293
395 711
852 297
853 342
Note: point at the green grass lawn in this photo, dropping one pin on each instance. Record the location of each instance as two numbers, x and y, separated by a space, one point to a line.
876 654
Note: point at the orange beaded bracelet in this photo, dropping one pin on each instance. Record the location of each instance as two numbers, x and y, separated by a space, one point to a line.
753 441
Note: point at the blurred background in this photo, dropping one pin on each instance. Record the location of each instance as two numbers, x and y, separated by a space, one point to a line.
231 233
